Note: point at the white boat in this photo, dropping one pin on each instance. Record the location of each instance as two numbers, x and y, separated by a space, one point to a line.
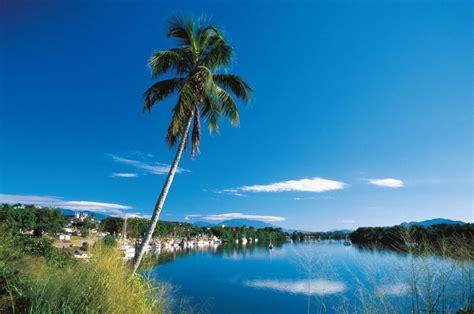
256 240
237 241
244 240
156 248
347 242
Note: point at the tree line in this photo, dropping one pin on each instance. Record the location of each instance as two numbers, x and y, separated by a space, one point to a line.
137 227
400 236
19 218
329 235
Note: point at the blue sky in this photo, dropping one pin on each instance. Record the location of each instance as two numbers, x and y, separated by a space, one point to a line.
349 92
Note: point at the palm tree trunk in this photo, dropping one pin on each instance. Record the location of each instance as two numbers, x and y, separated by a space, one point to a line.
162 198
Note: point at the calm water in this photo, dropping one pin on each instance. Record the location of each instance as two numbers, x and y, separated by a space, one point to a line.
253 279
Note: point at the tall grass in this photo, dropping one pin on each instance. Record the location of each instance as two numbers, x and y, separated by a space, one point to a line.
102 284
427 278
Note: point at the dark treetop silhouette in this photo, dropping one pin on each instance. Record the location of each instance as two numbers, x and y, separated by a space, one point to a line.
203 93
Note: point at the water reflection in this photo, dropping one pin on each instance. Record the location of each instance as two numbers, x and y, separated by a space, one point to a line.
306 287
231 251
294 277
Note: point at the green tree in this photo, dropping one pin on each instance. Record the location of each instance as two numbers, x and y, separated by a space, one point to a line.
48 220
136 227
203 93
16 218
113 225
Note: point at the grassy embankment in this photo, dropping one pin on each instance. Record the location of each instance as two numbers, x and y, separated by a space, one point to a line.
38 278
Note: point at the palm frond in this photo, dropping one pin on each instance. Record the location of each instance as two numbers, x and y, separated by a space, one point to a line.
181 111
204 35
211 109
175 128
235 84
182 30
217 53
228 107
174 59
161 90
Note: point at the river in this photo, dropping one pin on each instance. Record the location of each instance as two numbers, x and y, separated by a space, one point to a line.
316 277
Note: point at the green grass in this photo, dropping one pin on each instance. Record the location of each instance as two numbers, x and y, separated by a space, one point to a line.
102 284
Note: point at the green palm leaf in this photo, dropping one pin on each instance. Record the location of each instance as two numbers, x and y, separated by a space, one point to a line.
160 91
235 84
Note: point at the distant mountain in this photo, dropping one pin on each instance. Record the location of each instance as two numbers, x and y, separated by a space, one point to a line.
236 223
430 222
69 212
203 224
341 230
246 222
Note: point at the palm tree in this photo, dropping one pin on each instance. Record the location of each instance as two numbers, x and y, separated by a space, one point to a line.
203 92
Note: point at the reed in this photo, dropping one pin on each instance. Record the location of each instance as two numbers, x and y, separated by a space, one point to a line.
432 278
102 284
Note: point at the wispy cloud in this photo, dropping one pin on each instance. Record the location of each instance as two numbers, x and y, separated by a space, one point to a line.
145 165
320 197
221 217
303 185
348 221
124 175
313 287
234 192
54 201
388 182
136 215
191 217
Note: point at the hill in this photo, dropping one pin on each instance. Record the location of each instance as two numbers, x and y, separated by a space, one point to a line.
431 222
257 224
69 212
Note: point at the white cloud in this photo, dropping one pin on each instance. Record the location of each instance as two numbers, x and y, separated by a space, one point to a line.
221 217
124 175
234 192
302 185
135 215
348 221
146 166
388 182
54 201
317 286
193 215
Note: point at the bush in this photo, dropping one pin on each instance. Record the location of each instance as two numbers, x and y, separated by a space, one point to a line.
85 246
109 240
102 284
55 283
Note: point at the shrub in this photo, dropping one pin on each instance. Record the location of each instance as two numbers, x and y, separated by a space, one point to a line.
85 246
36 277
102 284
109 240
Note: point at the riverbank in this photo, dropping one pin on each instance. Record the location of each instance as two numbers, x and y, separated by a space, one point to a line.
36 277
